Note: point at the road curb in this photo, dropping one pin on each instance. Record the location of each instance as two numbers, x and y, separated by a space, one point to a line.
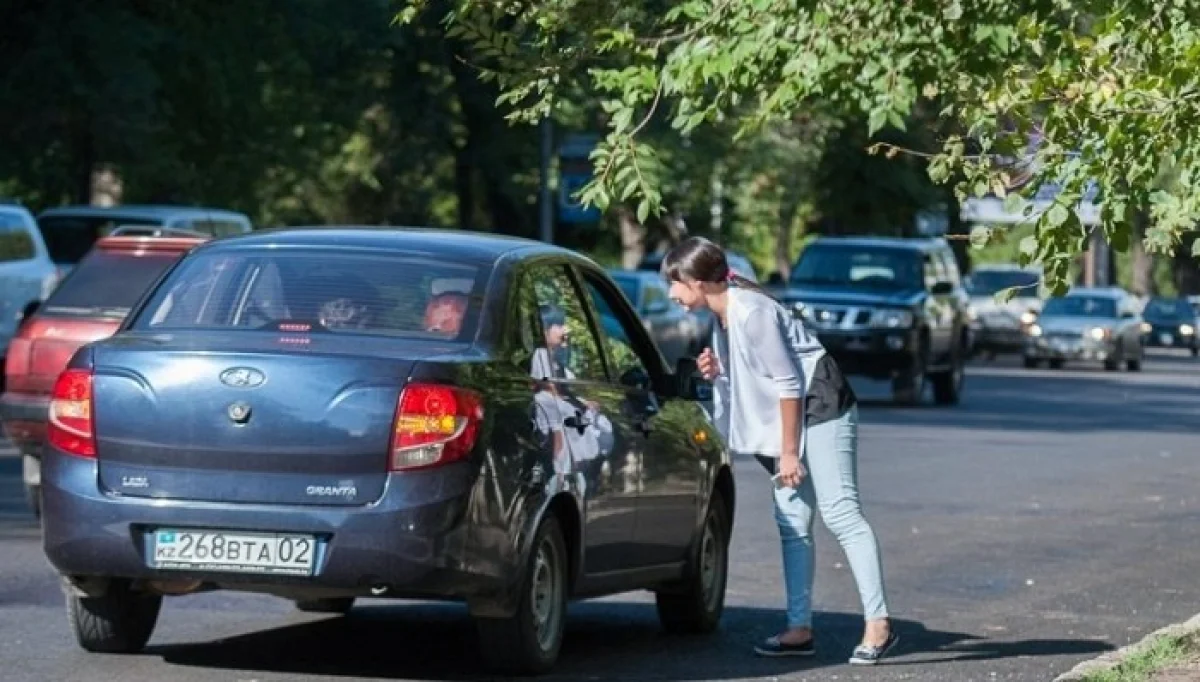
1112 659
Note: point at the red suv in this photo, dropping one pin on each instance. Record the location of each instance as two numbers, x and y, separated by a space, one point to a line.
88 305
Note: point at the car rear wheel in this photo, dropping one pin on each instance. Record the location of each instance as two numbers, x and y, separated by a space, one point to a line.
529 641
340 605
695 607
118 622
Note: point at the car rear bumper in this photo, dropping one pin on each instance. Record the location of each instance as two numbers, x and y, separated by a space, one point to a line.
879 354
24 418
415 541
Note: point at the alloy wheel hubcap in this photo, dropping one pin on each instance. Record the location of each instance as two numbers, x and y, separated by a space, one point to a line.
546 596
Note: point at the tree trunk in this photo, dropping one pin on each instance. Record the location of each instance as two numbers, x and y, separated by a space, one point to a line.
1186 267
783 238
1141 263
633 238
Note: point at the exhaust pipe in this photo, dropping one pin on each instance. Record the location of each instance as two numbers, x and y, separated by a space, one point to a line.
174 588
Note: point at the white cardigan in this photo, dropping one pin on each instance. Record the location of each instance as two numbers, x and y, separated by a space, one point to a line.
766 354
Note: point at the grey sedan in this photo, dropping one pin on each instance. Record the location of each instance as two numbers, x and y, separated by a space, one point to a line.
1100 325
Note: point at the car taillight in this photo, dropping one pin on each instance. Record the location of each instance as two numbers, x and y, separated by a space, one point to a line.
16 360
71 427
435 425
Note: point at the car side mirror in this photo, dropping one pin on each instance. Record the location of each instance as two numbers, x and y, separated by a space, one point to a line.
635 377
942 288
689 384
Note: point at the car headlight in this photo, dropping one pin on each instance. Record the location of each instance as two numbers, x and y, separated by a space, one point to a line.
1146 328
1099 333
1028 317
892 319
1035 330
1187 329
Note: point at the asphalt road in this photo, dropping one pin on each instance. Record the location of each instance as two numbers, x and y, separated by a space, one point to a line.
1049 518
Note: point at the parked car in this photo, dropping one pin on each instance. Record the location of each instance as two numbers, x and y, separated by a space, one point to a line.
88 305
1170 323
887 308
70 231
1000 327
327 414
677 332
27 275
1089 324
652 262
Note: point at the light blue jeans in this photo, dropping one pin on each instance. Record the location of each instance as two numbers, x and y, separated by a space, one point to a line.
832 487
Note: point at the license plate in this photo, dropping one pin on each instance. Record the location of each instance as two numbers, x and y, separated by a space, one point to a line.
1166 339
232 551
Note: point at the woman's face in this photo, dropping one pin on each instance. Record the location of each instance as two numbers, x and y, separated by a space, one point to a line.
556 335
690 295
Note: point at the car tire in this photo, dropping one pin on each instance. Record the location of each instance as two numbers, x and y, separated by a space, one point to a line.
118 622
909 386
339 605
1057 364
697 604
1031 363
1195 351
33 495
528 642
947 386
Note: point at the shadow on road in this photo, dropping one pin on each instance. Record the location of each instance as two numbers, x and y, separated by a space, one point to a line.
1160 399
605 640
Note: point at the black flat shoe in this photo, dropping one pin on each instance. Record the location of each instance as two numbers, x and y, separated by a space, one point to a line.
771 647
870 655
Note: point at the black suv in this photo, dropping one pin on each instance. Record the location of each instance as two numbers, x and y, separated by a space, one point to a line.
886 308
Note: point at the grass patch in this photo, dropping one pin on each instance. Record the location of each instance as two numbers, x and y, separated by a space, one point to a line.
1159 653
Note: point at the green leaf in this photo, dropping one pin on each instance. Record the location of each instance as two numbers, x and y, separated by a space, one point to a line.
980 236
1057 215
643 210
1014 203
1006 295
1028 246
876 120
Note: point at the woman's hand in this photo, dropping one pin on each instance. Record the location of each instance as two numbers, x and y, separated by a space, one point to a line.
710 367
791 471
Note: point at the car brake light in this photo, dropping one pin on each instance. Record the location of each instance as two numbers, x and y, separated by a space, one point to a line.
16 361
434 425
71 427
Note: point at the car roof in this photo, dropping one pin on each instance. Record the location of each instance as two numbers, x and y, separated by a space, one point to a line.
1098 292
618 273
461 244
899 243
146 211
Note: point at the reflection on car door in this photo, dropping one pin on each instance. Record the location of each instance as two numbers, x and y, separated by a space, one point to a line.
599 457
669 471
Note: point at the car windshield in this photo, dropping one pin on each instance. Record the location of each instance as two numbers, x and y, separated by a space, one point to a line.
884 268
990 282
1168 309
107 284
69 238
1080 306
306 291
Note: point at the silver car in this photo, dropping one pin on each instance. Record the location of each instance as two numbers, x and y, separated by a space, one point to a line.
1001 327
1092 324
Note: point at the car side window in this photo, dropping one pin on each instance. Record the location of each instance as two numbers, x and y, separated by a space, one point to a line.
571 350
618 342
934 270
16 243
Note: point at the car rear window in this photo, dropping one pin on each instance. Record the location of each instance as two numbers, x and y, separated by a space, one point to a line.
306 291
107 283
70 238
